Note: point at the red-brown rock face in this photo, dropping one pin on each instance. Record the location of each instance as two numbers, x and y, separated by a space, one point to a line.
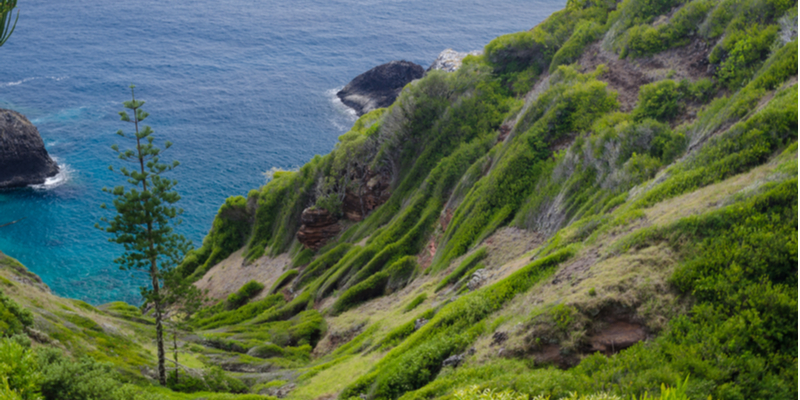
318 226
373 192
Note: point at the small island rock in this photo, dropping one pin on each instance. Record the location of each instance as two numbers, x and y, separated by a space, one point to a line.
23 158
380 86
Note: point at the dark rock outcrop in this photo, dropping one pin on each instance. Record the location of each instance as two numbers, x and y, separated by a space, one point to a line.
318 225
23 159
380 86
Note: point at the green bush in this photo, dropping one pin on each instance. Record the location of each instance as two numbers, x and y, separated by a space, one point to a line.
743 146
741 53
372 287
586 32
218 381
322 264
303 258
19 370
395 277
268 350
244 313
659 100
243 295
307 328
13 318
474 393
84 378
228 233
283 280
465 266
397 335
642 40
415 302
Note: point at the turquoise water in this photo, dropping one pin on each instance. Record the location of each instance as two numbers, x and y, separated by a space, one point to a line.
239 86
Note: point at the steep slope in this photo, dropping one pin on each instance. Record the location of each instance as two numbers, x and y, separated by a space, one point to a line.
604 204
612 193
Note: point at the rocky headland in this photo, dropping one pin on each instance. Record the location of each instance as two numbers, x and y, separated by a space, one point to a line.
23 158
380 86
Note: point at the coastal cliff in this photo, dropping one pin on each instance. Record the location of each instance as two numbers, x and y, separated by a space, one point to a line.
602 207
23 158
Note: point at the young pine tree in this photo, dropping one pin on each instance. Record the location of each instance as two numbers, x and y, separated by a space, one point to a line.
146 215
6 29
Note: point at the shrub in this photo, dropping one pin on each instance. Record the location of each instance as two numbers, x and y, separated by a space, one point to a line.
218 381
414 303
268 350
641 40
372 287
322 263
474 393
586 32
658 100
283 280
186 383
13 318
84 378
396 276
466 265
303 258
307 328
740 54
243 295
248 311
228 233
19 370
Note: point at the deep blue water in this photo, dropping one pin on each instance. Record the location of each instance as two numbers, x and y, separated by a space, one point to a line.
239 86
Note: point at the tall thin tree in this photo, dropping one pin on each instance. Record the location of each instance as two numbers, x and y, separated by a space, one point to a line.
146 216
6 29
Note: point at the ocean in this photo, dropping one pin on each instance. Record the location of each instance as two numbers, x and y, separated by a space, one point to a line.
239 87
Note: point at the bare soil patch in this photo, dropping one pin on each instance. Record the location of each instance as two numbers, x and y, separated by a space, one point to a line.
230 274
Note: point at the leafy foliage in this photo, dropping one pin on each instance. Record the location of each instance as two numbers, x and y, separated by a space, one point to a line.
13 318
243 295
145 220
283 280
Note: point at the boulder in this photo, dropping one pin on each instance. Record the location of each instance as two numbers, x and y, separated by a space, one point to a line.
453 361
318 225
450 60
477 279
23 159
380 86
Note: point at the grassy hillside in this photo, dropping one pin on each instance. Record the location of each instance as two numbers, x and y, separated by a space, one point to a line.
604 206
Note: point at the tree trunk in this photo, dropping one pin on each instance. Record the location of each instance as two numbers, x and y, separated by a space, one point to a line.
175 349
162 375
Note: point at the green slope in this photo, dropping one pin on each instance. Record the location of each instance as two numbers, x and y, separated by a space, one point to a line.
604 204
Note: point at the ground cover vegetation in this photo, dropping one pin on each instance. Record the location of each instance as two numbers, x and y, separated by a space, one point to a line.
552 230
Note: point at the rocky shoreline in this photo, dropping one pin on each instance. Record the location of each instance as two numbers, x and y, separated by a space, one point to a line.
380 86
